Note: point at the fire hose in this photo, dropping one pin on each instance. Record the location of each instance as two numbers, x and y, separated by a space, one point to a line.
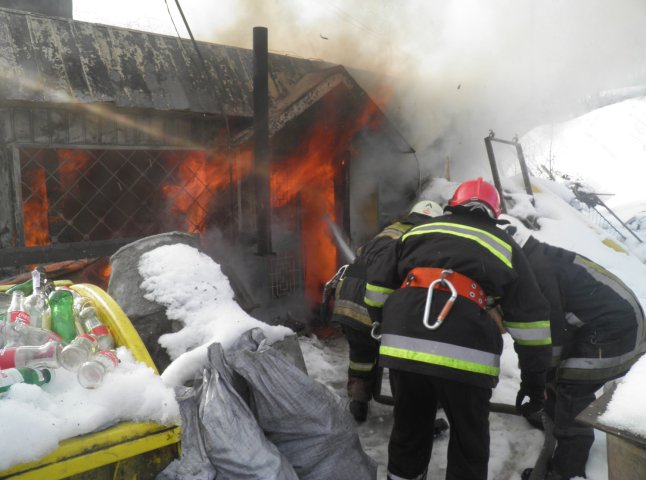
384 399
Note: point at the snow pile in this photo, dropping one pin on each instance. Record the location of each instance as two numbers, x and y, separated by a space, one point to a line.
36 419
605 147
623 411
195 292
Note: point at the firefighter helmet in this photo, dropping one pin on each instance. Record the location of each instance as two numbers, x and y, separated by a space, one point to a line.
477 193
428 208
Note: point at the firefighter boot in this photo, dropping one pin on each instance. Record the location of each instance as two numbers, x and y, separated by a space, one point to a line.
360 393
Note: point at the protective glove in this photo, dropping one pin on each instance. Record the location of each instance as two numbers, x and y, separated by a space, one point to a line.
533 409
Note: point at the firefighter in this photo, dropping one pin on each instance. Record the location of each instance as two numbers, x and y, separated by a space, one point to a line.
350 311
598 333
429 292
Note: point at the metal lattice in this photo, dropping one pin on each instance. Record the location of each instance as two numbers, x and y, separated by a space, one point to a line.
285 274
72 195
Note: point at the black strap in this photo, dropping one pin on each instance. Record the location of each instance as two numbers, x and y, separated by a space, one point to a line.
356 270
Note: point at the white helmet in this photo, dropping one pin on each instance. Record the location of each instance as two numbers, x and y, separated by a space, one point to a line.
517 230
428 208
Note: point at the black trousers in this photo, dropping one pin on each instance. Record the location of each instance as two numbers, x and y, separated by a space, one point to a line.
363 350
411 440
573 440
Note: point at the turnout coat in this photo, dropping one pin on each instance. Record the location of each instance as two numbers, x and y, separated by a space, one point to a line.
349 307
597 322
468 344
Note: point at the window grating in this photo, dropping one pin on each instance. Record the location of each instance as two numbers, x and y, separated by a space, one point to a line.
284 274
73 195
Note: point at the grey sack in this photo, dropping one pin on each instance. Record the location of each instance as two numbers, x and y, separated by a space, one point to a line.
306 421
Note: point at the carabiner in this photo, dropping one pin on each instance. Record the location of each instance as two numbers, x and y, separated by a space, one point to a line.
341 272
447 306
373 331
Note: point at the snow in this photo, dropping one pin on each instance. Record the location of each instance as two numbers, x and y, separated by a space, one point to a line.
196 293
37 419
593 145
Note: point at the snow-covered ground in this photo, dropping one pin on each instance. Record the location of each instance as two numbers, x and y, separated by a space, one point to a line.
606 148
36 419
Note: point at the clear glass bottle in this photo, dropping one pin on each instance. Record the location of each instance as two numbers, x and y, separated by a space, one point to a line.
16 311
34 376
42 356
91 373
79 351
24 334
36 304
15 314
89 318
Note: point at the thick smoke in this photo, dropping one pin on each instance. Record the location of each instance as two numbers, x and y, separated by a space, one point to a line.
458 68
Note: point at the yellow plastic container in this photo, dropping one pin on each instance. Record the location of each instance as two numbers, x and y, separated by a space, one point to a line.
128 450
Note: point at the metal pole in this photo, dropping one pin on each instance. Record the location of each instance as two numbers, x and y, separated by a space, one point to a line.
494 172
261 138
523 168
619 220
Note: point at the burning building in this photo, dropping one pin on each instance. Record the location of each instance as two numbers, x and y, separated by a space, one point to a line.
109 134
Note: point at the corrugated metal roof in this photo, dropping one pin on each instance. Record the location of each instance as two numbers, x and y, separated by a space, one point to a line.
58 60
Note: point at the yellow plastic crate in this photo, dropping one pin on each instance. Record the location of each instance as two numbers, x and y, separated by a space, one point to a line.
129 450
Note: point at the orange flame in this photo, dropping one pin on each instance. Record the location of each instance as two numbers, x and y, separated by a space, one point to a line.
34 209
200 175
70 163
310 174
106 272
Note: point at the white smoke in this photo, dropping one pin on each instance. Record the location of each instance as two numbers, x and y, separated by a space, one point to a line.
458 67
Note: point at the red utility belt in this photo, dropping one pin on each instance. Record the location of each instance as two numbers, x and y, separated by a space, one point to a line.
422 277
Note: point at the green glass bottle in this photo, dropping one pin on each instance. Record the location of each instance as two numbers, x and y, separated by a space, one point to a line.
34 376
25 287
61 303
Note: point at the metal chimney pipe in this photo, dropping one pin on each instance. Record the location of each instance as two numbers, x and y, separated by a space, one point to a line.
261 138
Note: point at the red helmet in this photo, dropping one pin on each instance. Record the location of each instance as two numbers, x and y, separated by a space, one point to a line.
477 191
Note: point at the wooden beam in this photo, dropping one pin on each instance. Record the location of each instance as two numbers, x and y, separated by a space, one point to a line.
19 256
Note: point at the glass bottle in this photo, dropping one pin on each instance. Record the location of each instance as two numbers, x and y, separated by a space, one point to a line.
23 334
24 287
12 376
80 302
42 356
89 318
36 304
91 373
79 351
16 311
60 302
15 314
